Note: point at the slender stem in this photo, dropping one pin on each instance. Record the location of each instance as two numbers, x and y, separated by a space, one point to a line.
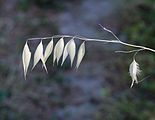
130 51
137 46
118 41
76 37
134 57
109 31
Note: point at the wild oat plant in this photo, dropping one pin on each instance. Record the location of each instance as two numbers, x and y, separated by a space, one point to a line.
60 49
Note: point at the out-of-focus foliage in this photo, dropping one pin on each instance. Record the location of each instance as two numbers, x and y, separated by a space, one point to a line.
57 5
101 85
141 28
54 4
136 103
141 31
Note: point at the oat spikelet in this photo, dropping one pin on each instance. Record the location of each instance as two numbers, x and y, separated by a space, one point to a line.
26 56
65 54
81 54
58 50
48 50
71 50
134 71
38 55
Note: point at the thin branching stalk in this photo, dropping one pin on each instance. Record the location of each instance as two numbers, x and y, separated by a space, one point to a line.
75 37
117 41
130 51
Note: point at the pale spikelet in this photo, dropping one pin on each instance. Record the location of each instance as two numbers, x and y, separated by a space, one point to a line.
71 48
65 54
38 55
81 54
58 50
134 71
26 56
48 50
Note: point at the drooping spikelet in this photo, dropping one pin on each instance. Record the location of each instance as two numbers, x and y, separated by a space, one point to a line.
134 71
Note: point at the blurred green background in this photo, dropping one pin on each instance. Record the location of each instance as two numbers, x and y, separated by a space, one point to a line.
99 90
